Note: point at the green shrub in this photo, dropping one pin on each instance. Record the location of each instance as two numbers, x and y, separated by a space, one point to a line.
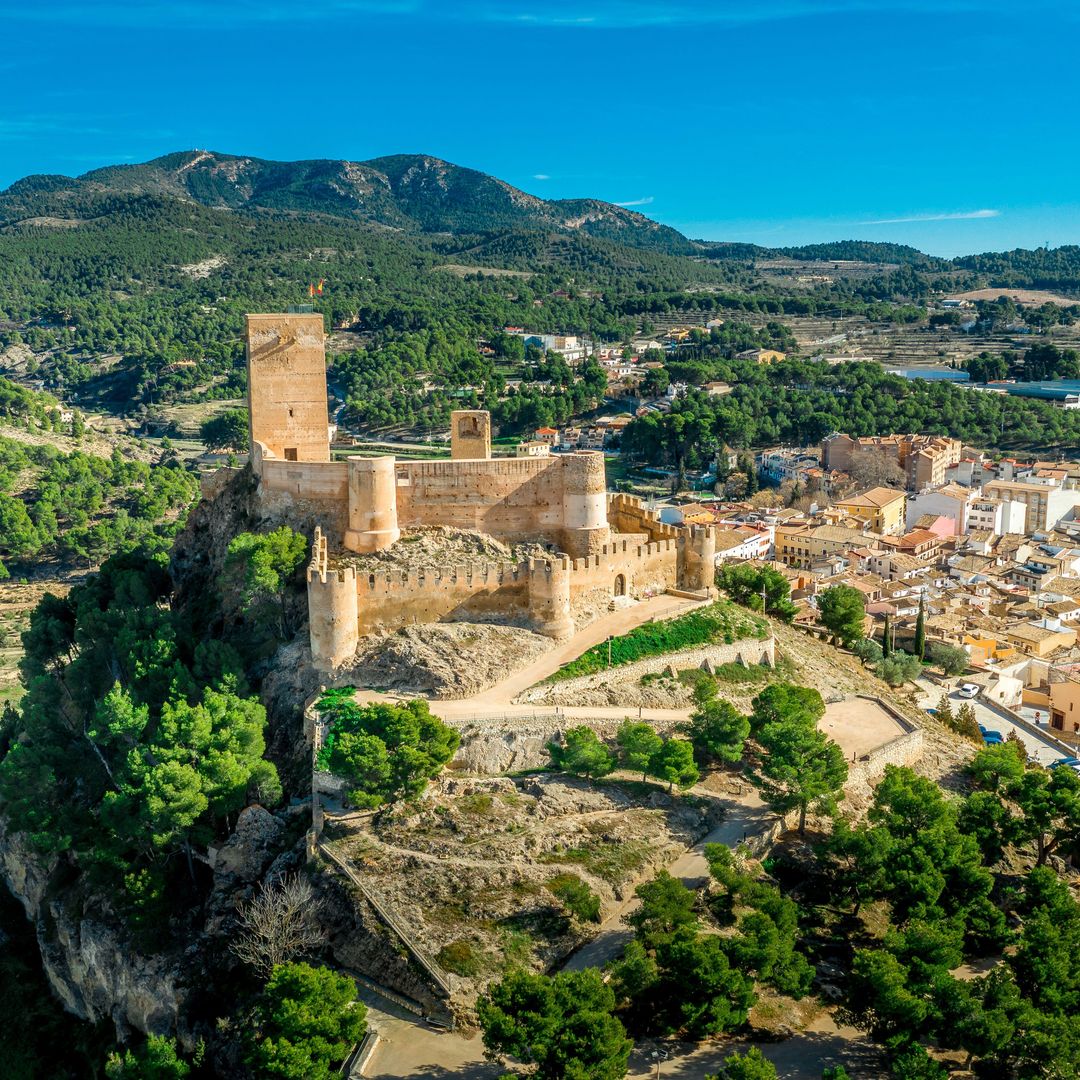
867 650
720 622
898 668
576 897
737 673
384 752
461 958
951 660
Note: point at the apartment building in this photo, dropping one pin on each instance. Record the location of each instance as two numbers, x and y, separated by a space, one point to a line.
969 510
925 459
802 545
881 508
1045 504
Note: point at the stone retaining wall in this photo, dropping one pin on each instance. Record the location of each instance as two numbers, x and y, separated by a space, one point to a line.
905 749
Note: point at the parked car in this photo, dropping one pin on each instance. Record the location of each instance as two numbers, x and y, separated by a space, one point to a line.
1071 762
968 690
992 738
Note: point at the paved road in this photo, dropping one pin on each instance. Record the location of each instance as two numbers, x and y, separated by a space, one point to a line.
409 1048
1043 750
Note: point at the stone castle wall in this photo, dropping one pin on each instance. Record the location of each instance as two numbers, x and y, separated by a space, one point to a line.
345 604
514 499
389 599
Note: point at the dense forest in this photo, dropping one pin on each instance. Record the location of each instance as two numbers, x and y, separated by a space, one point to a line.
78 506
129 285
797 403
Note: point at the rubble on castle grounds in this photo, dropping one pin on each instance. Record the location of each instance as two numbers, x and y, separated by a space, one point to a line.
468 867
443 660
440 547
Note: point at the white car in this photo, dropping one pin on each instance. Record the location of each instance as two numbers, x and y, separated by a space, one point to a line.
968 690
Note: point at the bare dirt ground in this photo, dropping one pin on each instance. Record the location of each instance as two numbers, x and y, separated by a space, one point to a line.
859 726
93 441
1021 296
189 416
461 270
444 660
198 271
440 548
469 870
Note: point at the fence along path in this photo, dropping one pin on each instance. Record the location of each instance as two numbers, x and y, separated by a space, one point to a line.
431 968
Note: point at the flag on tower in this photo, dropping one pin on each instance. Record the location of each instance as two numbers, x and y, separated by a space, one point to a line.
318 288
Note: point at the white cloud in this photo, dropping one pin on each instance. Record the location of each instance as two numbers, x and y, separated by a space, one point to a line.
541 176
636 202
962 215
642 14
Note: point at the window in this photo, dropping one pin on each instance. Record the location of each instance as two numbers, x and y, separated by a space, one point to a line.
290 453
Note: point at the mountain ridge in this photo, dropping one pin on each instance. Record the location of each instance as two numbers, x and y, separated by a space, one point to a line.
410 192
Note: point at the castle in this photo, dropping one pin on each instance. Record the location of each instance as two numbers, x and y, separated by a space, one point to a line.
600 544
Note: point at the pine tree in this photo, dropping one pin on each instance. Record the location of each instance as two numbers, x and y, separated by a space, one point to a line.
967 723
944 712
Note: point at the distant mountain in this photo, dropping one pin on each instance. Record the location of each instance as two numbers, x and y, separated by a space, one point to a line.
409 192
862 251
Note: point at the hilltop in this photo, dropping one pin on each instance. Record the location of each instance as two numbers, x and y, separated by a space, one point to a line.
408 192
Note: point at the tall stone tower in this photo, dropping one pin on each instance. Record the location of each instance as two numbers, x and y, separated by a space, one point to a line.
286 366
372 504
470 435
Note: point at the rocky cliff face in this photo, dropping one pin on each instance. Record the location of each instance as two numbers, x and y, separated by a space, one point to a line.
89 961
94 965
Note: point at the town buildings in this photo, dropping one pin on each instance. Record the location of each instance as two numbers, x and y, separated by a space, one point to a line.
880 508
924 459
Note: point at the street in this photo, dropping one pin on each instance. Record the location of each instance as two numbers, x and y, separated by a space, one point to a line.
1043 750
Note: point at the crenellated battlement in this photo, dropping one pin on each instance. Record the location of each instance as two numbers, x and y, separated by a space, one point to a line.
376 583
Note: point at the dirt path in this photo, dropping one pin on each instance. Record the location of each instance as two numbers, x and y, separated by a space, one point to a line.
744 817
497 702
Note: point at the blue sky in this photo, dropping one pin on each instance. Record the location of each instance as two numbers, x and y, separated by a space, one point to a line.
950 125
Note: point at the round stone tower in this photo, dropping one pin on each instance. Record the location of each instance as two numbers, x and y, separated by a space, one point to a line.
549 597
332 615
585 525
372 504
697 558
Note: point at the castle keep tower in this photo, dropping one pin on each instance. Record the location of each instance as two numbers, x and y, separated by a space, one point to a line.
470 435
584 504
286 367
